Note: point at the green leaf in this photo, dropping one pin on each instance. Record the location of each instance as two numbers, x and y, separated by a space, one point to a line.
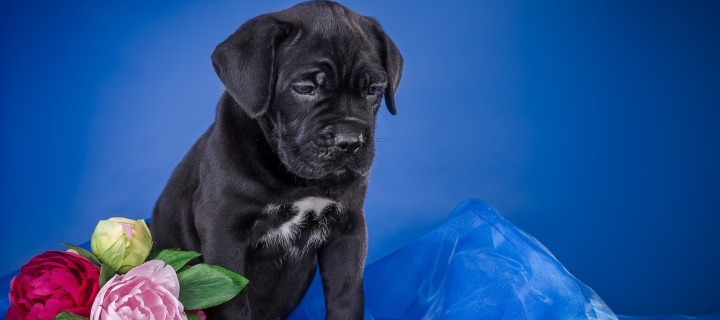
69 316
87 254
204 286
176 258
106 273
192 316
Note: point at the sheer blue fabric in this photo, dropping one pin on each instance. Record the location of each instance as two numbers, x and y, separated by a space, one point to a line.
476 265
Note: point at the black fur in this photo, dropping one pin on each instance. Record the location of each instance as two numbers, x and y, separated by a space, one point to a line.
303 88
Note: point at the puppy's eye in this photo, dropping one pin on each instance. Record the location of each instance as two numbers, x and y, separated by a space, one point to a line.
305 89
373 90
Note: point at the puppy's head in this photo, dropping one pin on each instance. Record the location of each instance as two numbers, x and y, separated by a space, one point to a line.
313 76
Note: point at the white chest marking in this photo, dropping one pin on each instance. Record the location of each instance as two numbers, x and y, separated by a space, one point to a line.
314 204
309 210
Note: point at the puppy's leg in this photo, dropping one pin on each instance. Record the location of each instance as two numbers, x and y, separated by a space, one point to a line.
342 262
227 249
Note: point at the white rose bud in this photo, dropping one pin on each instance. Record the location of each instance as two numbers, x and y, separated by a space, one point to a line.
121 243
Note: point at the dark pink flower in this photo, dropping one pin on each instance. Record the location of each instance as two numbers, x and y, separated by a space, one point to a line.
53 282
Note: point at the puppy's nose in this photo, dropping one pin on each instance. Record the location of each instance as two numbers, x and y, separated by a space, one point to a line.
349 142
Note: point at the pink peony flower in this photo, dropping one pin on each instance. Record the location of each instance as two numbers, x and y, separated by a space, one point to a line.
53 282
148 291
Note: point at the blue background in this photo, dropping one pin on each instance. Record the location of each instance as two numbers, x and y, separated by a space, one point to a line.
591 125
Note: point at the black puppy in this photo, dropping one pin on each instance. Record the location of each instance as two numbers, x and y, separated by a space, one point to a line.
276 185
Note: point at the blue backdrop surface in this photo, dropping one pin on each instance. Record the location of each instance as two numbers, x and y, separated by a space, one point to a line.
592 126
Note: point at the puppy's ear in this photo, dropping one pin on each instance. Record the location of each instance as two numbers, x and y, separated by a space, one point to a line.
245 63
393 64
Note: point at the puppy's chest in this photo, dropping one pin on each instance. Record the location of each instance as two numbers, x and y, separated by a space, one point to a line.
297 228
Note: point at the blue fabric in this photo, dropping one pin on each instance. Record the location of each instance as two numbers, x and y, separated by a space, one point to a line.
476 265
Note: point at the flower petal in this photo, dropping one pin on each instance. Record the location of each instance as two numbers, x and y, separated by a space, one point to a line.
159 273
